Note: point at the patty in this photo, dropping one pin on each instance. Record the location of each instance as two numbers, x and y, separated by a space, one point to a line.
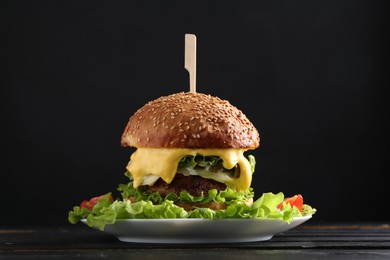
194 185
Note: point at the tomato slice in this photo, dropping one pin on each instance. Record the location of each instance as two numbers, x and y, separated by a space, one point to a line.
89 204
296 201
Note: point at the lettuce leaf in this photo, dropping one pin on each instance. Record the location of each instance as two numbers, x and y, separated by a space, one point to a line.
78 213
200 162
228 195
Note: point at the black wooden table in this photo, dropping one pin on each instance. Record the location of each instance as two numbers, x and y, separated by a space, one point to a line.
347 241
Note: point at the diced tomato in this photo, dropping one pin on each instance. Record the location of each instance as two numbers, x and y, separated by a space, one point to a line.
296 201
89 204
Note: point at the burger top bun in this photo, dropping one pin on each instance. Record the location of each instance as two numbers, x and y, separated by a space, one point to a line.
190 120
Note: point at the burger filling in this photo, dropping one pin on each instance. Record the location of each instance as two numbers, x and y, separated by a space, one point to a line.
199 181
227 166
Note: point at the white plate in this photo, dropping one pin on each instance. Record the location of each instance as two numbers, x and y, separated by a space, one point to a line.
198 230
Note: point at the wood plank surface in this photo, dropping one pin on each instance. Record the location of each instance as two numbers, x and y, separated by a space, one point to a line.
313 242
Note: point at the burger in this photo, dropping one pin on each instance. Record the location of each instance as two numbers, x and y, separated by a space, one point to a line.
189 144
189 162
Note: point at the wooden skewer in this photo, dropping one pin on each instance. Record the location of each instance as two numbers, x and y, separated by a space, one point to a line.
190 59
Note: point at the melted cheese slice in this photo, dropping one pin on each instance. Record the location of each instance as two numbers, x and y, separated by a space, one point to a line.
148 164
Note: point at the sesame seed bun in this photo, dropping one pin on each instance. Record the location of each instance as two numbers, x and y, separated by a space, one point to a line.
190 120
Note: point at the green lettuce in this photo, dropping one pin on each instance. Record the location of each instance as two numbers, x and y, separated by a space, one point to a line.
96 215
211 164
228 195
107 211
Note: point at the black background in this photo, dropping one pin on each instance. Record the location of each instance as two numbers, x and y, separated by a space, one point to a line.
310 75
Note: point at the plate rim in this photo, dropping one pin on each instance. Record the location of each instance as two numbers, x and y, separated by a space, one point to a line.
173 230
201 219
